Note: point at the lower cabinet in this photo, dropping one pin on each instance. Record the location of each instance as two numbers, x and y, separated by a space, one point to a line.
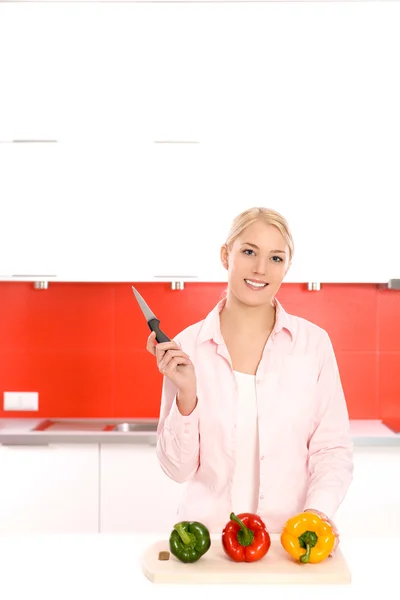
136 496
85 488
121 488
49 489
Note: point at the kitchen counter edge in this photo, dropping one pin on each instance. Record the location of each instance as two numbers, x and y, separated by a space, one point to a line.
30 432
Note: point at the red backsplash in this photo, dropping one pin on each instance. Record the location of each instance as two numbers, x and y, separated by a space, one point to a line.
82 346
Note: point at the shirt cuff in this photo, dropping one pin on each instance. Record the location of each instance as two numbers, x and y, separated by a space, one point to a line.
180 425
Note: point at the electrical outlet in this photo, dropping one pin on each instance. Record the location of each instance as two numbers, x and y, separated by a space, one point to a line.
21 401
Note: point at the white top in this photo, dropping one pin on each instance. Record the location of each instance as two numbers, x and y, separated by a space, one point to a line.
245 485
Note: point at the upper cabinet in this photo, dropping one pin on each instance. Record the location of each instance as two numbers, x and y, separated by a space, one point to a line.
31 210
168 119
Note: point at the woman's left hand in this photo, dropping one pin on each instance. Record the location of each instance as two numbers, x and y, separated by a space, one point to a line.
331 523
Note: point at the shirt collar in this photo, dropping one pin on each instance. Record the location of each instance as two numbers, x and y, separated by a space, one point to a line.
282 320
210 329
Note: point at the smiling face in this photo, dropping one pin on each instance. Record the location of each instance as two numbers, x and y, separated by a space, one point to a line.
257 263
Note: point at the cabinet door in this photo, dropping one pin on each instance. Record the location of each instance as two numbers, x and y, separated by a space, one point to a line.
176 211
49 489
32 210
107 215
127 76
30 74
77 212
133 212
136 496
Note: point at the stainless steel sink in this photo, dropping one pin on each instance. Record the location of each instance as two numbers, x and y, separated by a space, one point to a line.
82 426
142 427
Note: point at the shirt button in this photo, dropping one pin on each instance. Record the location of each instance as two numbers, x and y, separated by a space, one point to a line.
258 380
262 458
261 497
186 431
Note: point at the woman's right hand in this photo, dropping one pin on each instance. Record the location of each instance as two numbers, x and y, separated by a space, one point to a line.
174 364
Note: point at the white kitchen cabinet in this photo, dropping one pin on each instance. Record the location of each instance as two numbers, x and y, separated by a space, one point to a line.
49 489
29 75
107 212
165 138
119 80
127 205
31 210
136 495
125 76
74 212
176 210
81 212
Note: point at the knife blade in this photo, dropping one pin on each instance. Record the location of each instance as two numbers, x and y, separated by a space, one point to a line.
151 318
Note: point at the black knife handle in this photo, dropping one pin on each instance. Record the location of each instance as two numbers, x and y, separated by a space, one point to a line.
160 335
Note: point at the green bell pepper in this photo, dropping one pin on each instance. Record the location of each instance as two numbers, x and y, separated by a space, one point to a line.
189 540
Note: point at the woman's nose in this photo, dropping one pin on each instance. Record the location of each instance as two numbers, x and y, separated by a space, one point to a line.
261 266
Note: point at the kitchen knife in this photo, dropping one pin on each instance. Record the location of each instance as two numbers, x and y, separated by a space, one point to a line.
151 318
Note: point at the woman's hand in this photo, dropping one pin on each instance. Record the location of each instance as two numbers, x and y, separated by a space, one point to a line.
174 364
331 523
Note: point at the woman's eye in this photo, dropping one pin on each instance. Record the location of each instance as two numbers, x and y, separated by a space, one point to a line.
247 250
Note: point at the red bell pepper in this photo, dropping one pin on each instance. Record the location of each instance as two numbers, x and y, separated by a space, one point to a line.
245 538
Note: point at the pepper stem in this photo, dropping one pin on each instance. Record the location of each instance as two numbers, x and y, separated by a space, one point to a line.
245 536
184 535
304 558
307 540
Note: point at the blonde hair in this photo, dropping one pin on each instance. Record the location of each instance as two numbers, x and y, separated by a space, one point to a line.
268 216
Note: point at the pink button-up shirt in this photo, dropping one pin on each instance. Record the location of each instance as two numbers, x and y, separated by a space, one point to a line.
306 451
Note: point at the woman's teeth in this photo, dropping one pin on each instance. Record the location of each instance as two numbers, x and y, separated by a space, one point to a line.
254 284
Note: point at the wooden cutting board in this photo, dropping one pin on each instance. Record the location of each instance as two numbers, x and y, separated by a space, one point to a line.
216 567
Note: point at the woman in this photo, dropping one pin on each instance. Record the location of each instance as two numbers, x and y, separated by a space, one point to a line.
253 415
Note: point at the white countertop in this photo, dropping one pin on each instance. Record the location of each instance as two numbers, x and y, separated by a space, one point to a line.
23 425
101 566
21 431
367 432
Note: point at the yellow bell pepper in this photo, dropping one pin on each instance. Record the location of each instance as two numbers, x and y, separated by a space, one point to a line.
307 538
